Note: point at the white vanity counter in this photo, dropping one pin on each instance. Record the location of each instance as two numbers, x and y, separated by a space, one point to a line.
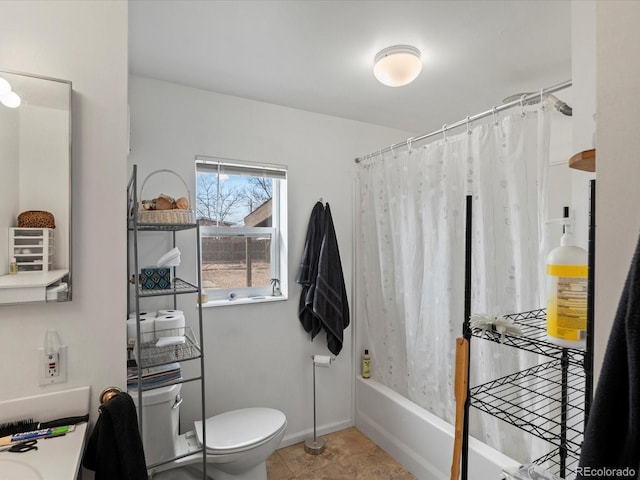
57 458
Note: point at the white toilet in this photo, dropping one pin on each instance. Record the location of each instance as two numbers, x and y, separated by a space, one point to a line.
238 442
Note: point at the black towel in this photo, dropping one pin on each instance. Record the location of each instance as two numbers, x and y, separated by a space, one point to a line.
611 447
115 450
330 303
308 271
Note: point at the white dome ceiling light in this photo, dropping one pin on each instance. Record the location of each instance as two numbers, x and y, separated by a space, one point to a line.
398 65
7 97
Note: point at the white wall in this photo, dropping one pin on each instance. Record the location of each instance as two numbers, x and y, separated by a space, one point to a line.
259 354
583 73
618 195
85 42
9 153
43 184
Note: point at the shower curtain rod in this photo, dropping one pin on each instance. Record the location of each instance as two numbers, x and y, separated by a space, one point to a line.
521 101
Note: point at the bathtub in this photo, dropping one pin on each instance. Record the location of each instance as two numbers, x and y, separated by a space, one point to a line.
420 441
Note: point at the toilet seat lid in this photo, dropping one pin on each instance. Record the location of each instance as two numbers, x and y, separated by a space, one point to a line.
240 429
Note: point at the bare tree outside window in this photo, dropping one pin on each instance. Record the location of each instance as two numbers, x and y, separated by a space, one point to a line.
259 190
215 201
235 258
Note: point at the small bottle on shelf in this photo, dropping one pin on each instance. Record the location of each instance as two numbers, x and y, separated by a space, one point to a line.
567 292
366 365
13 267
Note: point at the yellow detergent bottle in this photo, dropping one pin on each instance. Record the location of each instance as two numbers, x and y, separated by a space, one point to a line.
567 274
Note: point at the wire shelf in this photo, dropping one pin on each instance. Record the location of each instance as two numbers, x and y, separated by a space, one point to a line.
534 337
179 287
152 356
532 401
551 462
160 227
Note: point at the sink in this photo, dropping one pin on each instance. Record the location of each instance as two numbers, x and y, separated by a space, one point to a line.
14 469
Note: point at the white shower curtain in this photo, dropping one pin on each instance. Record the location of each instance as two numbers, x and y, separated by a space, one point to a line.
411 256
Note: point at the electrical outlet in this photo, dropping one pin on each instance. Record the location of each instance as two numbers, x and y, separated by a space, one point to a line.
52 368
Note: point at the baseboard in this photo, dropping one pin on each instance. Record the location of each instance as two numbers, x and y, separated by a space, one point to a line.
301 436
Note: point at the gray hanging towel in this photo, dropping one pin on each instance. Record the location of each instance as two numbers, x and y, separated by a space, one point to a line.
612 436
308 271
330 302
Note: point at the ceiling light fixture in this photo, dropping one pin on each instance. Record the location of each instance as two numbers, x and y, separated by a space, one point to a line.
7 97
398 65
11 100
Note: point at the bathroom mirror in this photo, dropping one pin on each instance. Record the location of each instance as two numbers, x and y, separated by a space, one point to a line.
35 175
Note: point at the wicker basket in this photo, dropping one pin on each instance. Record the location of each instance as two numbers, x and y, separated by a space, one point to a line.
36 219
165 216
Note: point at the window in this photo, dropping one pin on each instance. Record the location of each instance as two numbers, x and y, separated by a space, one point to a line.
241 209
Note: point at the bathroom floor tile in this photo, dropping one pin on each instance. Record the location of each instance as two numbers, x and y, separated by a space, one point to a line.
277 468
349 455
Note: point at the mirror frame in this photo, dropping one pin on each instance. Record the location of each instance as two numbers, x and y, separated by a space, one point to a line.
69 87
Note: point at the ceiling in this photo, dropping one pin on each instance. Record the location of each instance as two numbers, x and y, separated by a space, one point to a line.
317 55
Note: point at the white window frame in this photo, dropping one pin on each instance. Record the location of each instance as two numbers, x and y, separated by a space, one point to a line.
278 233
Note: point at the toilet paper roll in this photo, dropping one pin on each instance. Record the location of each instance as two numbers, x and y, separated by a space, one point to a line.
143 314
147 330
322 360
162 313
169 326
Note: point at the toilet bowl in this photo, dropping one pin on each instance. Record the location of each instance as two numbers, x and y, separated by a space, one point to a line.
238 441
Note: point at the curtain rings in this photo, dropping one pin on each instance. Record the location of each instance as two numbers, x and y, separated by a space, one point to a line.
543 107
494 112
409 142
380 153
523 113
444 132
468 124
393 152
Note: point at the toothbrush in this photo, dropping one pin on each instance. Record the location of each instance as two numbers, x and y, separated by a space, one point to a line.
44 433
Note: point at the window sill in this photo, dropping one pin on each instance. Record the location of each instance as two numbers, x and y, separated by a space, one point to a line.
243 301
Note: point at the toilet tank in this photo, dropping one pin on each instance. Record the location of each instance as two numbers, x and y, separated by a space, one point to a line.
160 422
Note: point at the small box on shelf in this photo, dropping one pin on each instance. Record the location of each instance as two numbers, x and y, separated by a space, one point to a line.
156 278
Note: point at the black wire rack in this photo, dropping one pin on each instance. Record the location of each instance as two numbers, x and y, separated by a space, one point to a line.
532 400
547 400
533 325
557 464
550 400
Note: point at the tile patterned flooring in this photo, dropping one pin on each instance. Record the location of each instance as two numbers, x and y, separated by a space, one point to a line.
349 455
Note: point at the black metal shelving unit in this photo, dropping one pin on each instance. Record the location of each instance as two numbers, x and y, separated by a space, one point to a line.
147 354
546 400
550 400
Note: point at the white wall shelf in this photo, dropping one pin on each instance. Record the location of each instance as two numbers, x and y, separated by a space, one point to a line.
28 286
